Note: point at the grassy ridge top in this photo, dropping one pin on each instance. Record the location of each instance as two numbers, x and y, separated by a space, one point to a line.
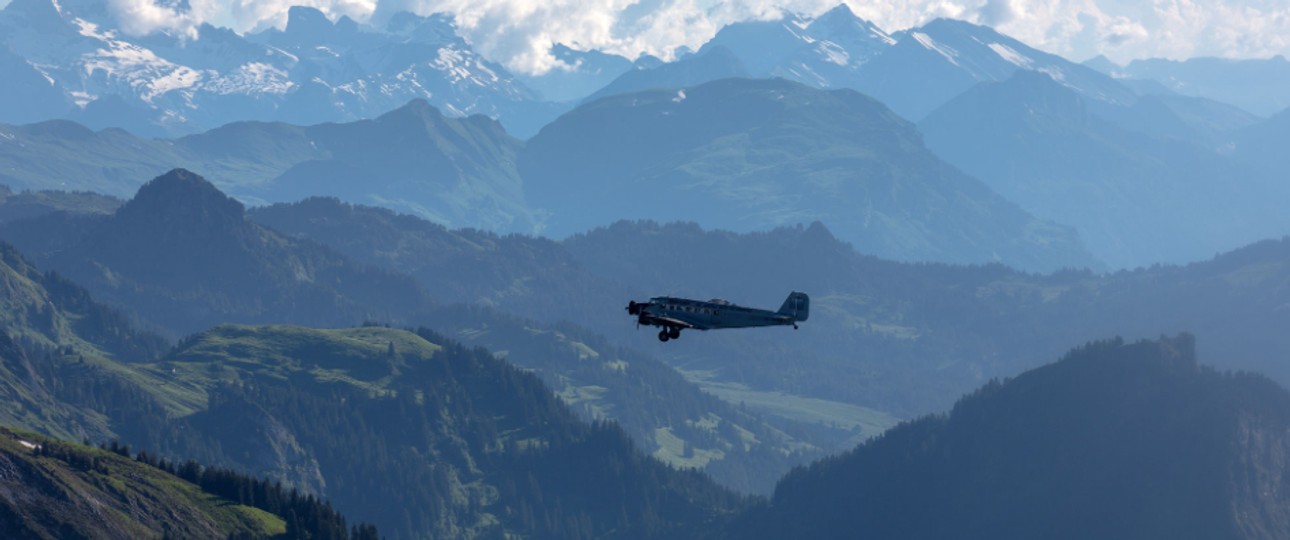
369 357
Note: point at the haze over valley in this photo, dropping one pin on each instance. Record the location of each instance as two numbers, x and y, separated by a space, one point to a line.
353 278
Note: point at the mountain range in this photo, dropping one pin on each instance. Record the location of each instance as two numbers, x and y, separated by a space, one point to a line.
181 257
698 153
69 59
1112 440
467 171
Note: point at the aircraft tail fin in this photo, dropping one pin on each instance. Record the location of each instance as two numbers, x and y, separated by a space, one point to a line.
797 306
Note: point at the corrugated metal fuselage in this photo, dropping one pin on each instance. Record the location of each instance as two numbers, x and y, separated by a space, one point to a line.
701 315
673 314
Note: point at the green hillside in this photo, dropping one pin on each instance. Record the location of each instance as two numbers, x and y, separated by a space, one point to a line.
64 490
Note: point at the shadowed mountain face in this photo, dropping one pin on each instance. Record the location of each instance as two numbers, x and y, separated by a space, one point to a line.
756 154
1112 441
1135 198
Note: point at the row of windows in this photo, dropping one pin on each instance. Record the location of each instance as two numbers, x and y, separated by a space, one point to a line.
690 309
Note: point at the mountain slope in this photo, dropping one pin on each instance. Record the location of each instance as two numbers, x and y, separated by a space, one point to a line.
1135 199
1113 441
755 154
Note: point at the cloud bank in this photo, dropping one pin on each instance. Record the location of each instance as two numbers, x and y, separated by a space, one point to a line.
518 33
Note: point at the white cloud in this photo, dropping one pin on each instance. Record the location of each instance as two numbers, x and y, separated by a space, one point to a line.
518 33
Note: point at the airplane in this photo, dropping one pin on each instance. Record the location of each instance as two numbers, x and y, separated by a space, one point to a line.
672 314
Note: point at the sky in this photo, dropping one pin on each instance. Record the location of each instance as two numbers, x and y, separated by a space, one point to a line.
518 33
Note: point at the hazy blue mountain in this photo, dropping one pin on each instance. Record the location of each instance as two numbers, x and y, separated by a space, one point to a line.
181 255
756 154
456 171
63 155
1135 199
1261 86
931 64
1114 440
315 70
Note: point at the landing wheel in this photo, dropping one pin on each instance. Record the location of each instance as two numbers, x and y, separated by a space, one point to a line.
674 333
663 335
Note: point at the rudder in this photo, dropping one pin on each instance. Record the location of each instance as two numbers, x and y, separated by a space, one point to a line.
797 306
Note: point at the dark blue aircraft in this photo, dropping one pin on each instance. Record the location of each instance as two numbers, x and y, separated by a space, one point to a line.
672 315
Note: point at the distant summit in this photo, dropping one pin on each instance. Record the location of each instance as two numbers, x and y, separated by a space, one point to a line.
181 198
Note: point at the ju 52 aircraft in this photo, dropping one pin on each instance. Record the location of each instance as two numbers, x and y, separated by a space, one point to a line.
672 315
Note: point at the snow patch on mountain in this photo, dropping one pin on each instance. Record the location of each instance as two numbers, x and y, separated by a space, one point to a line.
250 78
944 50
1007 53
833 53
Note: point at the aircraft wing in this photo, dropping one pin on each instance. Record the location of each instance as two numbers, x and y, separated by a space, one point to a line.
671 321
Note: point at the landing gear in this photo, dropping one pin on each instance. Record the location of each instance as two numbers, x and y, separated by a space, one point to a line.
669 333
